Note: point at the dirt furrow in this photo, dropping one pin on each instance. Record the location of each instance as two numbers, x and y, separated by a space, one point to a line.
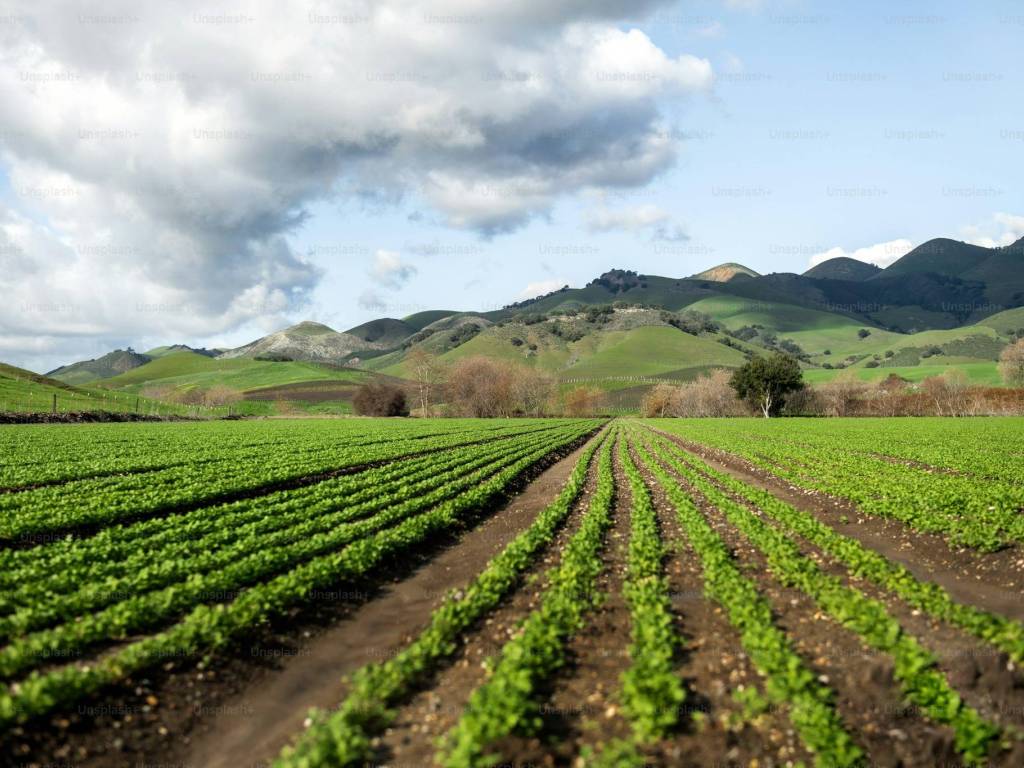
411 739
982 674
868 697
582 706
715 728
242 705
992 581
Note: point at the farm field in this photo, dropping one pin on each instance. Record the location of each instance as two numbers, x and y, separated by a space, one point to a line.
468 592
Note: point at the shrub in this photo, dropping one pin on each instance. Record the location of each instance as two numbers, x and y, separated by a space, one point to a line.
380 399
1011 364
863 333
585 401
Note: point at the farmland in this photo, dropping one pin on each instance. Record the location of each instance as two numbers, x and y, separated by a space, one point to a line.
528 591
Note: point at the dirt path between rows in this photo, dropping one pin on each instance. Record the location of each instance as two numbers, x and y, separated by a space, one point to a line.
581 704
992 581
713 729
868 698
277 704
411 738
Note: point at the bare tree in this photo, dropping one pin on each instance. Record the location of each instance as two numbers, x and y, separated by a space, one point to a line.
585 401
480 387
949 393
841 395
532 390
427 373
660 401
1011 364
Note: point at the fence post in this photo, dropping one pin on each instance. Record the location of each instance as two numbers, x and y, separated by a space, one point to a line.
54 408
136 405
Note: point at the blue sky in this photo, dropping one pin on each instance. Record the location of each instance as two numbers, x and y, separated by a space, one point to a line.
363 168
830 124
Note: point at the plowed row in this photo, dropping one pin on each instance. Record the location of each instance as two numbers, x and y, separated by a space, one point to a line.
633 604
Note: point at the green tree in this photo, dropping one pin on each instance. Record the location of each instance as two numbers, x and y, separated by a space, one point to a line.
765 382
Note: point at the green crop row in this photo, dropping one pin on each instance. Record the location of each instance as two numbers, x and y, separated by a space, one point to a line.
107 565
922 684
111 500
343 738
120 542
506 702
208 627
970 511
140 612
787 678
1005 634
295 530
35 455
651 691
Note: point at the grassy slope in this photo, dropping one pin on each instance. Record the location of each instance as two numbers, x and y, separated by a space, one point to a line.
983 373
186 370
22 390
609 359
1006 321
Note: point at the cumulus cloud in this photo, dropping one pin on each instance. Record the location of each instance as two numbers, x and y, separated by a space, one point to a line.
880 254
1003 229
164 153
389 270
540 287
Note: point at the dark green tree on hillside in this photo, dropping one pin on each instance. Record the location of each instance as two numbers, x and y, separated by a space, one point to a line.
765 382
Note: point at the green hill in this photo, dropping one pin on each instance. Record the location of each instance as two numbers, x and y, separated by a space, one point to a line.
723 273
386 331
421 320
842 268
183 371
612 351
23 391
111 364
172 348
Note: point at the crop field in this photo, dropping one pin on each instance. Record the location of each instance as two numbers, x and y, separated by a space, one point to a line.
461 593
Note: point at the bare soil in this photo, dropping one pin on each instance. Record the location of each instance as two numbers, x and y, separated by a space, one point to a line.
241 705
993 581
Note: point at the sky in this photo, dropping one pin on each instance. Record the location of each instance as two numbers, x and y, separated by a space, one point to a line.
181 173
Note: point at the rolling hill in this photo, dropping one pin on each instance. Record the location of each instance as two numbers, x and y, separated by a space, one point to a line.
842 268
306 341
723 273
945 303
111 364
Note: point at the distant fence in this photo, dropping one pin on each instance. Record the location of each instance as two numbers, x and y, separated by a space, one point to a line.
76 402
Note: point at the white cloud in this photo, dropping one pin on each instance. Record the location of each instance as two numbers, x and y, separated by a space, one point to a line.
539 288
390 271
631 218
1004 229
880 254
167 157
638 218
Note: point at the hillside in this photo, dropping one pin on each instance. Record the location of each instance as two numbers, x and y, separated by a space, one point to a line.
1000 271
307 341
842 268
723 273
111 364
172 348
936 307
23 391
